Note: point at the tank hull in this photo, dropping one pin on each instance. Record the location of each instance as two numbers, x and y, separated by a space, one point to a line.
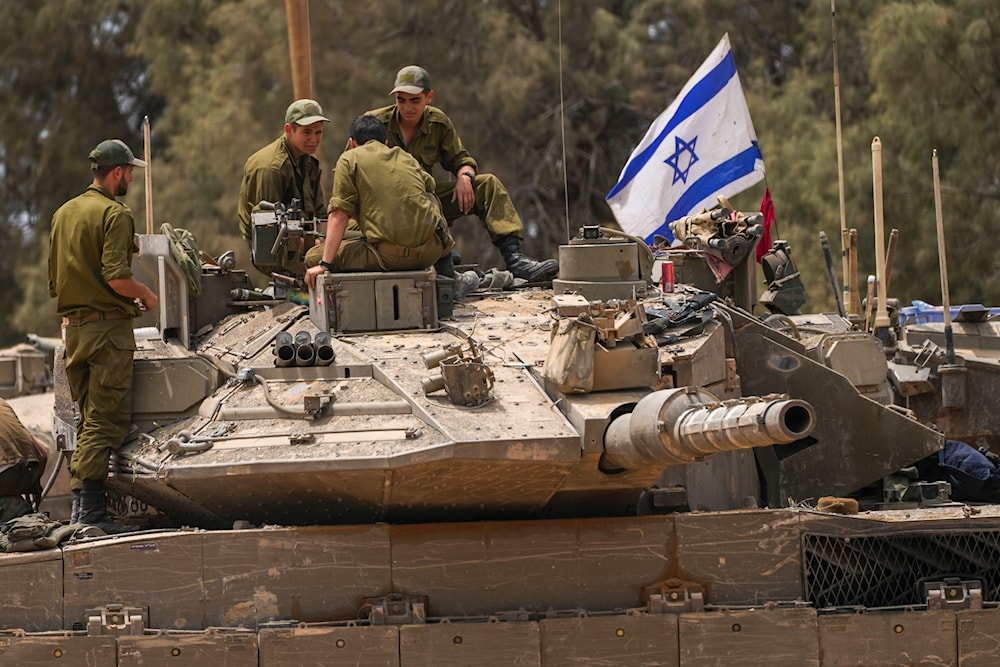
393 510
785 587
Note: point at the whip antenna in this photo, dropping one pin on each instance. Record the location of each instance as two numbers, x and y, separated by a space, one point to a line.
148 173
562 122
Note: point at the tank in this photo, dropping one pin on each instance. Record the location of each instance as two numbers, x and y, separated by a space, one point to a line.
610 470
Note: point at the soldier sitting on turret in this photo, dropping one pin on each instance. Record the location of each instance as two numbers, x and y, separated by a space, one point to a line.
392 199
427 133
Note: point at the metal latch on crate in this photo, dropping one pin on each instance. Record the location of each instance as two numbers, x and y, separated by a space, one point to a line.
674 596
115 619
397 609
954 593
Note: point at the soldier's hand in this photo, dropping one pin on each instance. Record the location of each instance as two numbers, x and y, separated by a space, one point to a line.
464 195
311 274
148 302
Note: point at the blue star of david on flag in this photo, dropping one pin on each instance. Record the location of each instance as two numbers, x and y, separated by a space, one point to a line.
712 110
680 148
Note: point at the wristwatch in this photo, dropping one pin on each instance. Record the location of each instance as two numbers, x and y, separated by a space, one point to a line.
467 174
327 265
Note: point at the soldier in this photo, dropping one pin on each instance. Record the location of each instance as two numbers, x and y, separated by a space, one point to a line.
392 199
90 276
22 461
427 133
286 169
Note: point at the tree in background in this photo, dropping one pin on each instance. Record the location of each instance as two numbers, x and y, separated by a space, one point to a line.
936 77
514 75
68 82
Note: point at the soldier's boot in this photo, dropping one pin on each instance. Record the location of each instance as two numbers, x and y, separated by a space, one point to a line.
74 515
466 282
524 267
445 266
93 511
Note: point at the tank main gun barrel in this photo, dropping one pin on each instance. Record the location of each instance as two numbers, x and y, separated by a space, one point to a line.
685 425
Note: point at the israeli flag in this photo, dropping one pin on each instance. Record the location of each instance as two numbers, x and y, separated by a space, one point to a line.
701 147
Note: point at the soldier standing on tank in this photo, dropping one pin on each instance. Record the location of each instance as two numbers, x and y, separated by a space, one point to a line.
90 276
392 200
428 134
286 168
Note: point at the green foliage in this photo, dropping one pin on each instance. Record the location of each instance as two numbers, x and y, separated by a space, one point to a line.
68 82
551 96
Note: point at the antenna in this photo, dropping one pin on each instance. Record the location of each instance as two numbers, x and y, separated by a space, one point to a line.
148 173
562 125
850 286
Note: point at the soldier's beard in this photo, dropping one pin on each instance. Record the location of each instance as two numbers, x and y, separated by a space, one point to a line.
122 188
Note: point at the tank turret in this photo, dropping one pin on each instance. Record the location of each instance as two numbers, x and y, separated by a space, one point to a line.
364 406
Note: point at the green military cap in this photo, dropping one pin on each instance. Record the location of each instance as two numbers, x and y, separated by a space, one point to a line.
412 79
305 112
114 152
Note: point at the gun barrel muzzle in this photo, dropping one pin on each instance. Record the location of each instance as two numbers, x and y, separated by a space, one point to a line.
689 424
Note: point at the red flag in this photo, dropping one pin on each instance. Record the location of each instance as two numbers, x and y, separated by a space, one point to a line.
767 208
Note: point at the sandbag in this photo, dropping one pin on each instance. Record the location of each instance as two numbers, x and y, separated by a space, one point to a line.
570 363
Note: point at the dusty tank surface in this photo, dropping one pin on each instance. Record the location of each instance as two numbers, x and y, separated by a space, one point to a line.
593 473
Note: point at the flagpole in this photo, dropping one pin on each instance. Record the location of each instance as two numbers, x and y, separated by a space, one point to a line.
844 236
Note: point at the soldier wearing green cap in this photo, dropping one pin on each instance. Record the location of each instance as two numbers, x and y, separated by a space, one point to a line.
428 134
90 276
286 169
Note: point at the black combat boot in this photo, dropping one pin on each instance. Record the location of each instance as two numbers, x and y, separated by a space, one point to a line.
524 267
74 514
93 511
445 266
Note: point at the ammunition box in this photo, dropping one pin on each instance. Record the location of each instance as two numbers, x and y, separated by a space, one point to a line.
390 301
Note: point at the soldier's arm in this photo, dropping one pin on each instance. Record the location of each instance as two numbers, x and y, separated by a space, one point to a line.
335 227
131 288
266 185
454 156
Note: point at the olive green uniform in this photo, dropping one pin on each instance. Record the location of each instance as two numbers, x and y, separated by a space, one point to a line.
392 200
272 174
20 463
92 241
437 142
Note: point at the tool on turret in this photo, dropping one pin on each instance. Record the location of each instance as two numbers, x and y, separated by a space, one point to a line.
464 376
952 374
834 283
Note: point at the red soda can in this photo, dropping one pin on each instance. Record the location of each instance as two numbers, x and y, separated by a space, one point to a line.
667 276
